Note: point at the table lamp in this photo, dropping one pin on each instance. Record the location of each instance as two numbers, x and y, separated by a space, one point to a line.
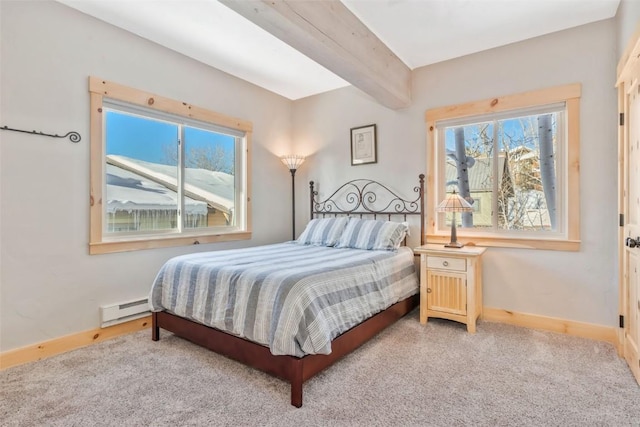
454 203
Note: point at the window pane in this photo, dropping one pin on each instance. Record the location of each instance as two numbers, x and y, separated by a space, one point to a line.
511 187
469 171
209 178
141 173
527 192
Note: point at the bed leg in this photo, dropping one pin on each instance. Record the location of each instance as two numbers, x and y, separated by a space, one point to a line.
155 329
296 394
296 385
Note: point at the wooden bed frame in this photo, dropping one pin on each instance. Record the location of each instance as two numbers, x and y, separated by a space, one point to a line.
358 195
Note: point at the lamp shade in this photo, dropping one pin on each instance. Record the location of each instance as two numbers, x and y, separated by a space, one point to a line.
292 161
454 203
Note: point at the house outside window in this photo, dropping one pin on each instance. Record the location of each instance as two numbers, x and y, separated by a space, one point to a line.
166 176
515 160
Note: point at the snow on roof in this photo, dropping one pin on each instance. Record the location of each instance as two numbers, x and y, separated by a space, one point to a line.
138 185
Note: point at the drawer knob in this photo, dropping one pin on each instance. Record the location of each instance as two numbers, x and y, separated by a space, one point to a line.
428 290
445 263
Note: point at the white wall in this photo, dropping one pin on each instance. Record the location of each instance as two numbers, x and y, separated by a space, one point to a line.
50 286
580 286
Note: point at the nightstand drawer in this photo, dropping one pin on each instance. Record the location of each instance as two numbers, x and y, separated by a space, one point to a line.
447 263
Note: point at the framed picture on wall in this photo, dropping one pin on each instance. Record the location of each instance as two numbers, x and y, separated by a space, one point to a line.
363 145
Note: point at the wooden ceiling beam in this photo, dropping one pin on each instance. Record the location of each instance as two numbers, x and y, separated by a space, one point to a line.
330 34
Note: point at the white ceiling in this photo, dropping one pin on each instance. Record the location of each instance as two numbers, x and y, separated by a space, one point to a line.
419 32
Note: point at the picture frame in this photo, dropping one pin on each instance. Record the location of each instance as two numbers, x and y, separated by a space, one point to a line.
363 145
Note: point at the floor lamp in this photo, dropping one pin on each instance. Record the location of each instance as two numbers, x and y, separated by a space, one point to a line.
454 203
293 162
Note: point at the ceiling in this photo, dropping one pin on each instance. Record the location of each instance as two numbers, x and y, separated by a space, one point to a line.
419 32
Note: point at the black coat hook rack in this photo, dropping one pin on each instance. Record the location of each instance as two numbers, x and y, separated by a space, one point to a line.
73 136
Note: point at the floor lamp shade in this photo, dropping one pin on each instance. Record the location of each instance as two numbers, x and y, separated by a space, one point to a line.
293 162
454 203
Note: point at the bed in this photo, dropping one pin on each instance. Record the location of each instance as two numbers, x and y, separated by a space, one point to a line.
292 309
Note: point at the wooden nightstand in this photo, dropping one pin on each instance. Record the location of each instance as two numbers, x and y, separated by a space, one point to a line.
451 283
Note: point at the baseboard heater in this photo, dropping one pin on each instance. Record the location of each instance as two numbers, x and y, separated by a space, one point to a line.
118 313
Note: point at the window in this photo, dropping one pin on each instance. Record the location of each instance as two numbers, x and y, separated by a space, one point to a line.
164 173
515 160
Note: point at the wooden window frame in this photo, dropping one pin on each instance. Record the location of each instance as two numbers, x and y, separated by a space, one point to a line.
98 244
569 94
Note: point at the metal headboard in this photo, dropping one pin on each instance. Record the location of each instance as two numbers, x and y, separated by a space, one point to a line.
359 196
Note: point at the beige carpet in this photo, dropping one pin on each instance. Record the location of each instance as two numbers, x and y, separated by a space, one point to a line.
409 375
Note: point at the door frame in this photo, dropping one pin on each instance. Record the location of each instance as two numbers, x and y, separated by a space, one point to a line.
626 77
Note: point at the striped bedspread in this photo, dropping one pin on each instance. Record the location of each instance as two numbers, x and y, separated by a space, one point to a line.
289 297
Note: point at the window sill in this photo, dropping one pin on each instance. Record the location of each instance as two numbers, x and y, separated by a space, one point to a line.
515 243
96 248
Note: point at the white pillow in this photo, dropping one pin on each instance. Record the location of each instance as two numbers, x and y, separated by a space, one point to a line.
323 231
373 234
